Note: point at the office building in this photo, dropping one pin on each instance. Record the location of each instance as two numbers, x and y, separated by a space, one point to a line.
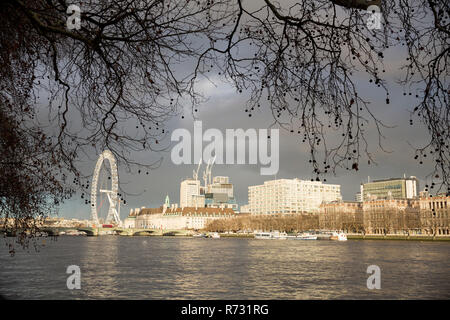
395 188
189 193
288 196
219 194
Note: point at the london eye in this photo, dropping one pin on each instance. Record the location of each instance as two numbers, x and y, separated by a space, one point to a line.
104 190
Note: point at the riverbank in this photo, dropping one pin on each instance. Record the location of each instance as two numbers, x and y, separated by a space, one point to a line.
397 237
185 233
361 237
236 235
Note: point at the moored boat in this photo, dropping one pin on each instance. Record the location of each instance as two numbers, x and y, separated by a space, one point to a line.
279 235
305 236
263 235
199 235
339 236
323 236
271 235
73 233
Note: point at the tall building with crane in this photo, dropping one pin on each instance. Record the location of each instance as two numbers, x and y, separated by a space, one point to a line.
216 192
189 190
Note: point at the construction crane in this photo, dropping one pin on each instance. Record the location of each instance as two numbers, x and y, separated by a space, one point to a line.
210 169
194 172
205 174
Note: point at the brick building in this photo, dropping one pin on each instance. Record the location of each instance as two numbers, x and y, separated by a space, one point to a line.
341 215
391 216
378 216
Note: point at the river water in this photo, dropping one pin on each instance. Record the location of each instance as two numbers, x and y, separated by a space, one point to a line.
114 267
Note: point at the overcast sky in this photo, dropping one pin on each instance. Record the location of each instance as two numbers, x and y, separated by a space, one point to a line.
225 110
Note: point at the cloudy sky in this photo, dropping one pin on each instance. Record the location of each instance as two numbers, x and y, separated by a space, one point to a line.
225 110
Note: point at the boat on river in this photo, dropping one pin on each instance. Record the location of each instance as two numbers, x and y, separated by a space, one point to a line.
339 236
305 236
271 235
199 235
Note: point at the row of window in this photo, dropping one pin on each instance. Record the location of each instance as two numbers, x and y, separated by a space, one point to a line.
438 205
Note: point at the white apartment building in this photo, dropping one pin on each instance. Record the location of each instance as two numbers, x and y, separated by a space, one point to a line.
291 196
189 191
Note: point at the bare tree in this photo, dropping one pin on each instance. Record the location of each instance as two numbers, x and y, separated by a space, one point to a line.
134 64
297 222
31 184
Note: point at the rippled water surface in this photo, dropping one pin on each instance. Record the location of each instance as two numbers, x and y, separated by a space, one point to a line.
114 267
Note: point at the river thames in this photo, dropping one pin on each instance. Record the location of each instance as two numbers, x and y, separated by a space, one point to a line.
114 267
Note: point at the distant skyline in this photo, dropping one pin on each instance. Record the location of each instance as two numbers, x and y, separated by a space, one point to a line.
225 110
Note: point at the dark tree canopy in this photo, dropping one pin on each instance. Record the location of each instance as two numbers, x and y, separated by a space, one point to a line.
139 62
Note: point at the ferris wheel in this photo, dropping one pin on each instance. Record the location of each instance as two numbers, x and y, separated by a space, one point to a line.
101 187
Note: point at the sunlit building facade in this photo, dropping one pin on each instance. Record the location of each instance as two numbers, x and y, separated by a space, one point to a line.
341 215
177 218
435 214
219 194
189 193
289 196
395 188
391 216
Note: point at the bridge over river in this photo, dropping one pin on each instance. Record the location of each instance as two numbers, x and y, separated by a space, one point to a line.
91 231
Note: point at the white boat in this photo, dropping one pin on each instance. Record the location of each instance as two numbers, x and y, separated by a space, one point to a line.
323 236
263 235
73 233
104 232
271 235
279 235
41 234
215 235
339 236
199 235
305 236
